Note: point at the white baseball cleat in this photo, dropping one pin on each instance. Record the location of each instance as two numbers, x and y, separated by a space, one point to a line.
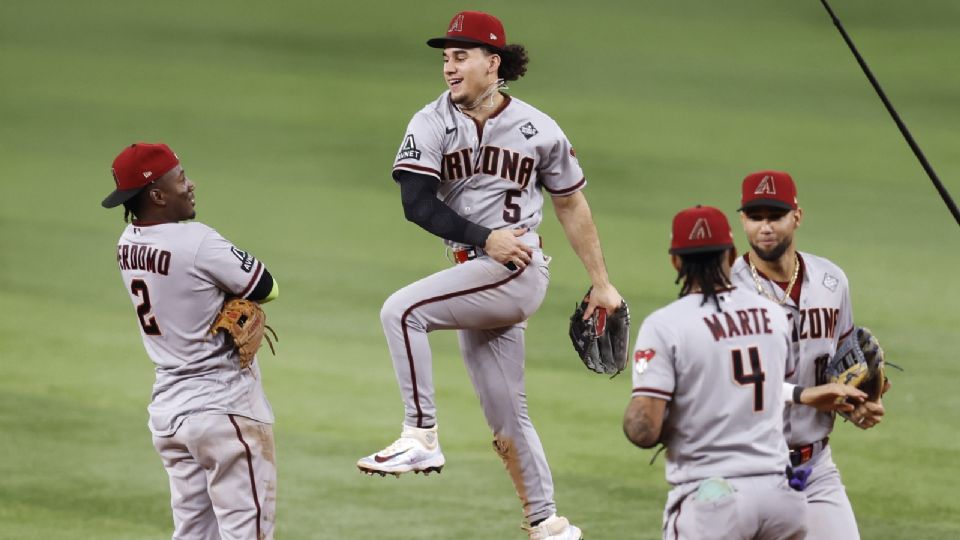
554 528
417 450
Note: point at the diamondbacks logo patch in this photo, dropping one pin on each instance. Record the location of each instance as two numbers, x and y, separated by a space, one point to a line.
456 25
830 282
766 186
246 259
528 130
409 149
701 230
642 358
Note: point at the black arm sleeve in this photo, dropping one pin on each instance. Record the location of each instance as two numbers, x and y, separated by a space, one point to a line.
418 192
263 287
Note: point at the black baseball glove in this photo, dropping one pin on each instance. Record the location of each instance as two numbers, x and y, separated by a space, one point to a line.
859 363
603 339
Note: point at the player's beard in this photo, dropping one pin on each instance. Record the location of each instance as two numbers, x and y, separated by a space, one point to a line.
773 254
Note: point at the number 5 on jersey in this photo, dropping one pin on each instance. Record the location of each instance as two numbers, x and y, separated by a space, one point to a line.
755 377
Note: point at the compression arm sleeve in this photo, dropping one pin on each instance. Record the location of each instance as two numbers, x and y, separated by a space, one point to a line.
418 192
267 289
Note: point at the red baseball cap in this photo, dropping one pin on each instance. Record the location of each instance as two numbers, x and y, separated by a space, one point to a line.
137 166
769 188
700 229
473 27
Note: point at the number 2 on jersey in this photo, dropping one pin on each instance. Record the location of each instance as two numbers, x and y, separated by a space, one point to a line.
755 377
147 321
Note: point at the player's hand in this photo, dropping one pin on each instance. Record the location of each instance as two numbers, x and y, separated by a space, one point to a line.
603 296
867 414
833 397
504 246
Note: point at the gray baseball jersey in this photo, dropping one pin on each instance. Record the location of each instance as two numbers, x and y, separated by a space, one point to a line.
822 318
819 321
177 275
491 174
722 374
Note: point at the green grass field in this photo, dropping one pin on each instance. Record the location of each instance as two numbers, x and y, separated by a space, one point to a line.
287 115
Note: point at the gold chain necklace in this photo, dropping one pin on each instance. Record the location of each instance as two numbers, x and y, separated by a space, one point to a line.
786 292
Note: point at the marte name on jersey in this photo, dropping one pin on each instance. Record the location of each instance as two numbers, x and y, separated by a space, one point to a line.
134 257
815 323
494 161
747 322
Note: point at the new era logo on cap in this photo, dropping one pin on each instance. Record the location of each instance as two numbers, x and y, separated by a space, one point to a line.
700 229
769 188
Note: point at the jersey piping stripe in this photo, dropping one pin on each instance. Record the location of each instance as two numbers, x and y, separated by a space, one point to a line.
566 191
253 483
417 168
653 391
844 335
406 337
253 280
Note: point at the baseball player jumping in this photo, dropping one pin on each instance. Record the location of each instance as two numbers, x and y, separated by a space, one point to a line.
815 295
472 169
210 419
708 377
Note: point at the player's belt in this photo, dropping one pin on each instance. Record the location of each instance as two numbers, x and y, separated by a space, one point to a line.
803 454
461 256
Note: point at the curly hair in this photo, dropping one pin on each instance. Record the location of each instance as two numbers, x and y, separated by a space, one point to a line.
706 271
513 61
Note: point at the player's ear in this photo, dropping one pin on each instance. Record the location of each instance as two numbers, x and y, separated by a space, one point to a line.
494 63
156 197
675 261
798 215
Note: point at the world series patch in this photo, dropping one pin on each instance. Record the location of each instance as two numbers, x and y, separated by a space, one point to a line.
830 282
528 130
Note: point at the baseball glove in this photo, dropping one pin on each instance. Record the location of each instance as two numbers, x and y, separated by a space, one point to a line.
859 363
602 340
245 322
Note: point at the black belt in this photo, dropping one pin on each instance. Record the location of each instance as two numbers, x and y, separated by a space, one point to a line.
802 454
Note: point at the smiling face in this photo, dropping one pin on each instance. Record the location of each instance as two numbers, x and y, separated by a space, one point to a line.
770 230
171 198
468 72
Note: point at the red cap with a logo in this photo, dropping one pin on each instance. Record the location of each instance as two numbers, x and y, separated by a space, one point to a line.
700 229
473 27
136 167
769 188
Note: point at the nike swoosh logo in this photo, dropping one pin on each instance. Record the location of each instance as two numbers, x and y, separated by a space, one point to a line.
451 130
380 459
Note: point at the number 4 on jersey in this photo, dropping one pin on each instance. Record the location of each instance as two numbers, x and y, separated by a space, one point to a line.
755 377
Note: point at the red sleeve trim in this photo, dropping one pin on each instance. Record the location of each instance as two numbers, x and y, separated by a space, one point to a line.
253 280
417 168
653 391
566 191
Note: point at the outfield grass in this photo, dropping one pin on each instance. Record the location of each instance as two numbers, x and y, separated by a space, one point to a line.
287 115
